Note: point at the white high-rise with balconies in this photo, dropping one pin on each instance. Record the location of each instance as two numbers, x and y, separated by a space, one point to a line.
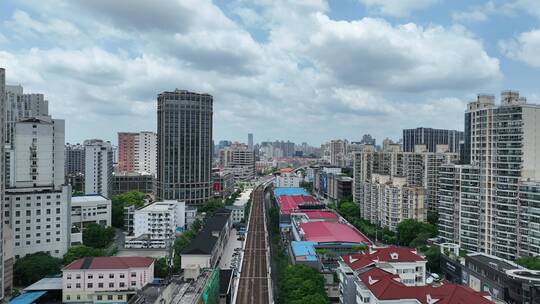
501 146
98 167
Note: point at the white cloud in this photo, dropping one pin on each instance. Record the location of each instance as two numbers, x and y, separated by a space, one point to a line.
397 8
22 21
312 70
373 53
523 48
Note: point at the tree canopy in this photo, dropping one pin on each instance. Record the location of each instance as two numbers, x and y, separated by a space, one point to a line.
409 229
120 201
302 284
161 269
33 267
529 262
80 251
97 236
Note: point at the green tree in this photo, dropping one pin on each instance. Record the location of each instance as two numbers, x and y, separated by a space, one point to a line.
161 269
409 229
432 217
529 262
33 267
120 201
80 251
302 284
433 257
97 236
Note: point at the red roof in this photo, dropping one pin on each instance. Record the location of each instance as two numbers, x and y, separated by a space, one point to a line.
332 232
386 286
319 214
110 263
391 254
287 203
286 170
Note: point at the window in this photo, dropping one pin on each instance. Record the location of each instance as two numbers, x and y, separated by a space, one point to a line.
111 285
78 277
121 284
68 297
133 283
78 285
69 277
100 276
111 275
90 276
133 274
122 276
78 297
68 286
90 285
100 298
100 285
109 297
120 297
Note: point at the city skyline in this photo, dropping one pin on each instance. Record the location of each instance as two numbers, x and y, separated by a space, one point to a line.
99 66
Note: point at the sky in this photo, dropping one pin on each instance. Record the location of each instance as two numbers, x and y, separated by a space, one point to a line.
299 70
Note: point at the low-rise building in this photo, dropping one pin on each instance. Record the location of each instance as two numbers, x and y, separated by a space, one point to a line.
105 279
206 248
158 222
89 209
131 181
396 275
339 187
288 180
239 206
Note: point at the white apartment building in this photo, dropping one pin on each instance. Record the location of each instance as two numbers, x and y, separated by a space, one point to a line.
412 170
238 159
386 201
160 220
105 279
37 205
98 167
239 206
338 149
19 106
288 180
147 152
501 144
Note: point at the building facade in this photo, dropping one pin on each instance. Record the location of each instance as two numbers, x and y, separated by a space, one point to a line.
431 138
105 279
75 159
126 182
501 143
137 152
184 147
98 167
238 159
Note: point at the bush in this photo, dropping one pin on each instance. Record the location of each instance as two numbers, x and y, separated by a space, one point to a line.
529 262
80 251
120 201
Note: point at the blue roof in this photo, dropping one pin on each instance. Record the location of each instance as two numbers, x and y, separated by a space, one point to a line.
27 297
290 191
304 249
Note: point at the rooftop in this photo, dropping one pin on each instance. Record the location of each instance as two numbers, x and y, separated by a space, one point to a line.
109 263
287 203
205 241
387 286
332 232
46 284
159 206
319 214
304 251
27 297
88 198
492 261
289 191
391 254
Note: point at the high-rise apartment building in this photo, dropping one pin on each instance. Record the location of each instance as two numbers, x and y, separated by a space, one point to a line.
502 175
431 138
184 169
240 160
137 152
98 167
75 159
338 151
38 203
3 255
250 141
392 185
19 106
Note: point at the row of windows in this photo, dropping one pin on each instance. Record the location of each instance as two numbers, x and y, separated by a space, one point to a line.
102 285
99 297
100 276
37 242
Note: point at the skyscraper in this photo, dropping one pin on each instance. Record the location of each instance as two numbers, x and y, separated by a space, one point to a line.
250 141
431 138
184 170
75 159
98 167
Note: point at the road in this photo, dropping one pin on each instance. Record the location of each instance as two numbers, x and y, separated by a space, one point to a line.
253 286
